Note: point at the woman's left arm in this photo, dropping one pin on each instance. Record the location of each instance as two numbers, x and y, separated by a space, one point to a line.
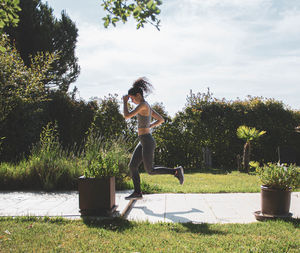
158 117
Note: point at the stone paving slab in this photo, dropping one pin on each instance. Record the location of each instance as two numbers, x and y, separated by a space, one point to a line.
39 204
188 208
151 208
196 208
62 204
202 208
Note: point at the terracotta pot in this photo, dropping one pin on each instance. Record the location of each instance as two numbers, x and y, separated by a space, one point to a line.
97 196
274 201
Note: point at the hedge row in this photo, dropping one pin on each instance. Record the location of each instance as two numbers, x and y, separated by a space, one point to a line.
202 134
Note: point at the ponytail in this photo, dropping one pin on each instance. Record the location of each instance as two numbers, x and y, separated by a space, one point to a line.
141 86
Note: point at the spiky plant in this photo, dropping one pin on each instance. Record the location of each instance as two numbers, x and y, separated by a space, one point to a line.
248 134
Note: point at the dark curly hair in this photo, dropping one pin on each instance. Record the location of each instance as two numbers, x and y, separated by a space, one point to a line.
141 85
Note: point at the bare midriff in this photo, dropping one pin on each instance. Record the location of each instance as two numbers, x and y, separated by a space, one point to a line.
142 131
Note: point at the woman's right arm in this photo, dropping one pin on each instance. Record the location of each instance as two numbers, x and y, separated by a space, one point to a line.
127 114
125 106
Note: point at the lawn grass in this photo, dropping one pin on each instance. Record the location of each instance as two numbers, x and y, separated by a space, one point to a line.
30 234
199 182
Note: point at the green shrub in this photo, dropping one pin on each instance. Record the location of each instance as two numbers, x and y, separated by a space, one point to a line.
54 167
104 158
50 167
279 176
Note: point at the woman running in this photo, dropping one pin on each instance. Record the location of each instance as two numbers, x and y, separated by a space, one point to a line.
144 151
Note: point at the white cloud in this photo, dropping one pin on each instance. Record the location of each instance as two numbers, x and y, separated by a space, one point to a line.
234 47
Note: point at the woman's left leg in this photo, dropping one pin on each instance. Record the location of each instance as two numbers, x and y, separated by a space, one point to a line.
148 144
135 161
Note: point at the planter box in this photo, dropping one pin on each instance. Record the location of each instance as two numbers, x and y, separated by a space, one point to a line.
97 196
274 201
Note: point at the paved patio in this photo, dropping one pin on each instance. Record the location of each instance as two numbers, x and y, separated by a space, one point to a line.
196 208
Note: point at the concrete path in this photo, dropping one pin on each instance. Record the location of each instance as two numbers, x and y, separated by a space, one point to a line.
196 208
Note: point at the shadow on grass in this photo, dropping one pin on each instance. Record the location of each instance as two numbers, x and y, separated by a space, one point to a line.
295 222
149 188
120 225
213 171
202 228
113 224
145 187
41 219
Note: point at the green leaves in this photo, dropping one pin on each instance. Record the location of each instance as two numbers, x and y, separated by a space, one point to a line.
8 13
114 21
279 176
105 164
143 11
249 134
19 82
49 138
47 34
106 21
104 158
137 12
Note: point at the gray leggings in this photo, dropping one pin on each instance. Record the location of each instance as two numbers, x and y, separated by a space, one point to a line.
144 152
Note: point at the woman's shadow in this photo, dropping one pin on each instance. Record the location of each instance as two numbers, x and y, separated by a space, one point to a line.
203 228
173 216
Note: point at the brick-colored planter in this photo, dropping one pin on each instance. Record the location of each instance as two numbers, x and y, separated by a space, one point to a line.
97 196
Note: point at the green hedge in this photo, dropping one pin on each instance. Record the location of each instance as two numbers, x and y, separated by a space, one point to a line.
209 123
205 123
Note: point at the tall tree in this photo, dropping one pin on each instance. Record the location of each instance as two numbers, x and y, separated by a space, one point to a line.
39 30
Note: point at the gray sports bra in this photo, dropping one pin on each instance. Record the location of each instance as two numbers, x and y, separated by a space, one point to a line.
144 121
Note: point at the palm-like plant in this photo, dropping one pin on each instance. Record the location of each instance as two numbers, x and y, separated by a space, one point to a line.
248 134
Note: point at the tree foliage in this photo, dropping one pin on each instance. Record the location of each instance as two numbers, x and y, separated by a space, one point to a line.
19 83
207 124
20 86
8 13
39 31
143 11
74 117
109 122
249 134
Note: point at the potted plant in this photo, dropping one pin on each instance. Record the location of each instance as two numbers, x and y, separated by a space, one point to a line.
278 180
97 186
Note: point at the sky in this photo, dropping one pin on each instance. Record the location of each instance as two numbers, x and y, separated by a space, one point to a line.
235 48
